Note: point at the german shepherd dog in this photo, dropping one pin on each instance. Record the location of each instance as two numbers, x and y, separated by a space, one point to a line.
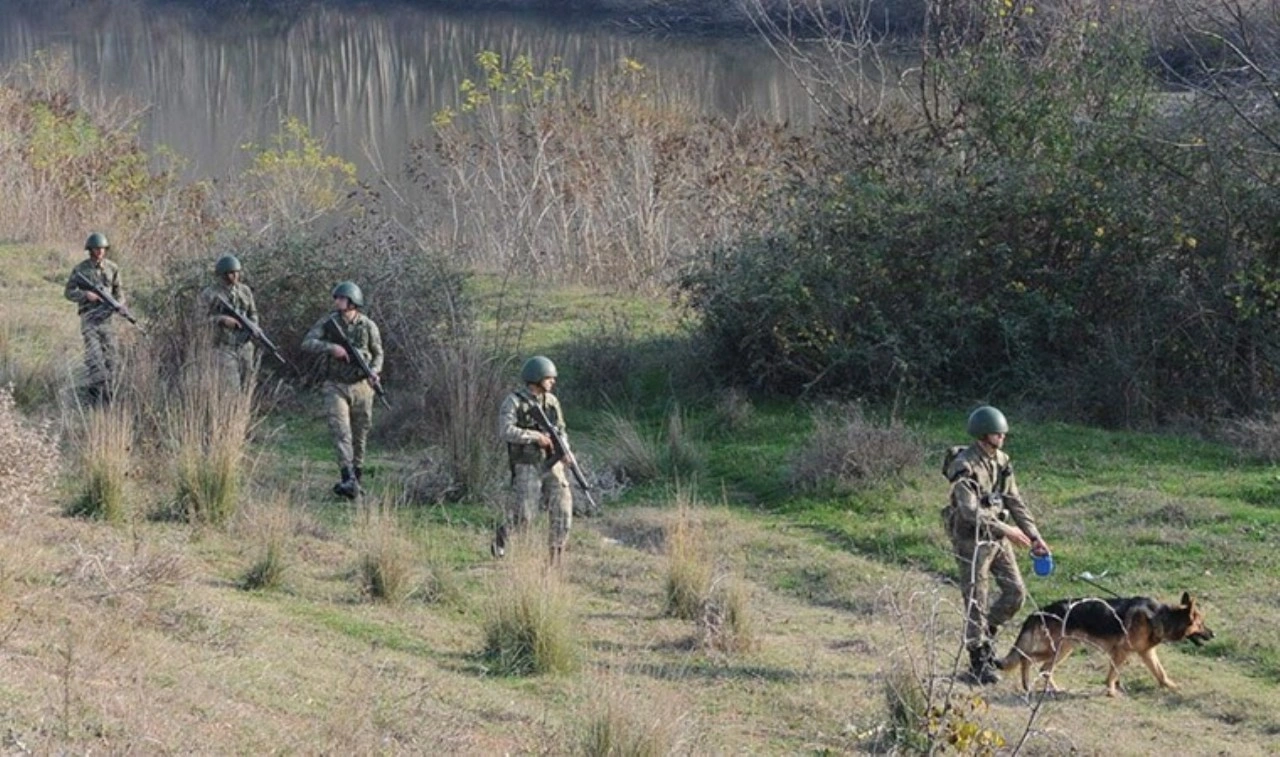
1120 627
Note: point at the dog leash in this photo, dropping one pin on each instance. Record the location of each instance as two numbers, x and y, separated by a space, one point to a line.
1092 580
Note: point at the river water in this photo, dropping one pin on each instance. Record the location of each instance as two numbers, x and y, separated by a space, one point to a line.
366 78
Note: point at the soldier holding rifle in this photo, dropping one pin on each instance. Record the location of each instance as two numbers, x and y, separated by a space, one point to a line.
94 285
352 348
531 423
234 353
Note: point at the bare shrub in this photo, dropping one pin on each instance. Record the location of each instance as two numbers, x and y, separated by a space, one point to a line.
530 624
617 182
689 563
31 460
387 556
1257 438
103 439
848 451
210 423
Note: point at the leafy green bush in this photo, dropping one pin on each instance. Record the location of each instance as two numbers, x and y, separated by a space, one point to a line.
1031 239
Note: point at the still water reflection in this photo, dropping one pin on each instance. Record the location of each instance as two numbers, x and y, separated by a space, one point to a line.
367 78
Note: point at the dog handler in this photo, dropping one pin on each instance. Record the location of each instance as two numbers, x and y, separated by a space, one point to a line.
985 519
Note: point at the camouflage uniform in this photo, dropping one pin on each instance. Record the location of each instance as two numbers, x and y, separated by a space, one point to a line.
101 349
348 394
532 486
984 497
233 350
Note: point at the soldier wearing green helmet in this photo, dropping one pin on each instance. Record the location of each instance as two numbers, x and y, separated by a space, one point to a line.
348 392
234 355
985 519
101 348
533 485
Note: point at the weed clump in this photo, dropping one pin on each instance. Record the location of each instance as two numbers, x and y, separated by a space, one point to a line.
848 451
272 530
634 458
628 723
387 557
689 567
210 426
529 625
728 622
105 438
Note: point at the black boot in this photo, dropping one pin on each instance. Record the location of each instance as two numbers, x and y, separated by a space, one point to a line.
982 666
358 472
347 487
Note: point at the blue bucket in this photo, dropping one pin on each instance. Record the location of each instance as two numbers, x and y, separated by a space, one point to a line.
1042 564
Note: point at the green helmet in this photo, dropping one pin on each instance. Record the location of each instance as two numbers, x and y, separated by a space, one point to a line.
96 239
536 369
227 264
352 292
987 420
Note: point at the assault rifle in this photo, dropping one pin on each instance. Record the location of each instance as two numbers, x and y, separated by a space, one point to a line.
560 451
255 331
340 338
87 284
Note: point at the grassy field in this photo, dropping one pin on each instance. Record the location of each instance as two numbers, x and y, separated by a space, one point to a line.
138 637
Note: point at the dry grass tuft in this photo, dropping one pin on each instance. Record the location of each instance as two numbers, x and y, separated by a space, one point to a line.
387 556
530 623
848 451
683 456
629 722
689 564
728 621
272 528
210 427
633 458
103 440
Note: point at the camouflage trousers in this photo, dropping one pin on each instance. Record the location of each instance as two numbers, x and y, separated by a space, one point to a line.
101 352
349 410
236 367
978 560
532 489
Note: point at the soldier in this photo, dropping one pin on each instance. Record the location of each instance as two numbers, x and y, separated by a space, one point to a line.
532 483
101 350
348 391
984 499
234 353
